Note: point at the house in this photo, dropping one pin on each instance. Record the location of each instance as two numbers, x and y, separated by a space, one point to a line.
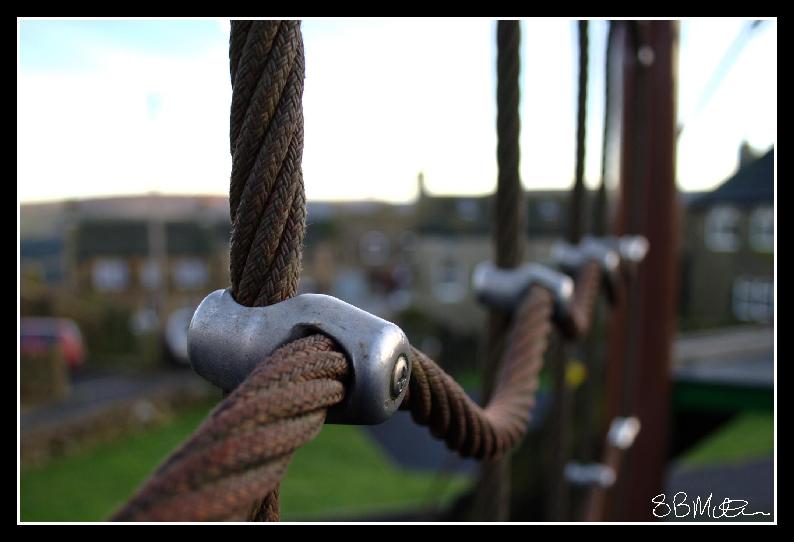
728 258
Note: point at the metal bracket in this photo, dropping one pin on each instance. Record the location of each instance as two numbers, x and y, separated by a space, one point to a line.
227 340
623 431
504 288
632 248
571 258
589 474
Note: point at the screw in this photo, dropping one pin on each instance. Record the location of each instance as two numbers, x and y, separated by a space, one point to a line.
645 55
399 377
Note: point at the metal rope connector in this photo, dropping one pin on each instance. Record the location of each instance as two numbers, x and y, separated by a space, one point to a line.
227 340
604 252
505 288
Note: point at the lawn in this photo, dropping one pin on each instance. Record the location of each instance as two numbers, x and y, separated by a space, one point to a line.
341 474
746 437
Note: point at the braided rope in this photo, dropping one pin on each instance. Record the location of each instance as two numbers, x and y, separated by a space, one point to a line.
584 299
244 446
578 194
266 194
267 201
437 401
510 212
600 215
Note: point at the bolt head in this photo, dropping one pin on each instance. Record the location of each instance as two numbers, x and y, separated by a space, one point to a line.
399 379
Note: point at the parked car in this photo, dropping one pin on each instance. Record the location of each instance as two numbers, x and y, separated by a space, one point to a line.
40 335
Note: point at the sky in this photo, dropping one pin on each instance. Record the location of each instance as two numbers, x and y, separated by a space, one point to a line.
116 107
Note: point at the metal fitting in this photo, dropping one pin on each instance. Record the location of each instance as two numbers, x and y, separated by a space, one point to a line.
227 340
505 288
632 248
623 431
591 474
571 258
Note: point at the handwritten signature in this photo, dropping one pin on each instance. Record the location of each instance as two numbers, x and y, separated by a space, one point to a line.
680 507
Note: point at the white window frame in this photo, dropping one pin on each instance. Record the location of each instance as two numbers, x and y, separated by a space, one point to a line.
761 229
722 229
110 275
449 288
190 274
753 299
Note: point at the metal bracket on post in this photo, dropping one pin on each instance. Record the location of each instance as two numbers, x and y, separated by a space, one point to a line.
622 432
227 340
590 474
505 288
632 250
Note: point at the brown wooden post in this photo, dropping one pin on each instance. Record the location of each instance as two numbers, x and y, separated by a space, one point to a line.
640 343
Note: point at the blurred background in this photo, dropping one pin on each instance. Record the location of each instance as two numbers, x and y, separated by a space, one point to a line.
123 172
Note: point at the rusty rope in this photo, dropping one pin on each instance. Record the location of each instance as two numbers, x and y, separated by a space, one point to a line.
243 448
266 197
267 201
510 223
439 402
585 296
600 215
578 194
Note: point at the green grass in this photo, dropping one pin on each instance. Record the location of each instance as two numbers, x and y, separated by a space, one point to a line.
748 436
339 474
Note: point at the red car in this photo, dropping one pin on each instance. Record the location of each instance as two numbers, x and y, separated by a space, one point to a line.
41 335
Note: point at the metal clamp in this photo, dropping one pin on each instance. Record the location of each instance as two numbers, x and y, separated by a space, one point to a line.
571 258
591 474
632 248
227 340
504 288
623 431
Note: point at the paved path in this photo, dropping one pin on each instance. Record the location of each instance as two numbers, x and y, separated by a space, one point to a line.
93 392
752 481
411 445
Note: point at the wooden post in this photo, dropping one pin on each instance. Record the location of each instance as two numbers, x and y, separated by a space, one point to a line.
640 343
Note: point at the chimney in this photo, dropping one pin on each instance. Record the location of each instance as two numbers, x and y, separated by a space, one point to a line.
746 154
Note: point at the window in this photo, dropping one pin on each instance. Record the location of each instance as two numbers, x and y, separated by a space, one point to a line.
753 299
190 274
722 229
374 247
467 210
450 280
151 275
762 224
549 211
110 274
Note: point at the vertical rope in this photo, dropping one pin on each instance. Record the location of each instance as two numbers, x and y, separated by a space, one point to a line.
562 398
266 196
578 194
600 225
510 210
493 492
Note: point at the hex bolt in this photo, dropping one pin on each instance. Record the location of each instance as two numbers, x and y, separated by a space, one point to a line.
399 377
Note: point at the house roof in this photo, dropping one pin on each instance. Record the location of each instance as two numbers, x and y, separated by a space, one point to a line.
751 185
